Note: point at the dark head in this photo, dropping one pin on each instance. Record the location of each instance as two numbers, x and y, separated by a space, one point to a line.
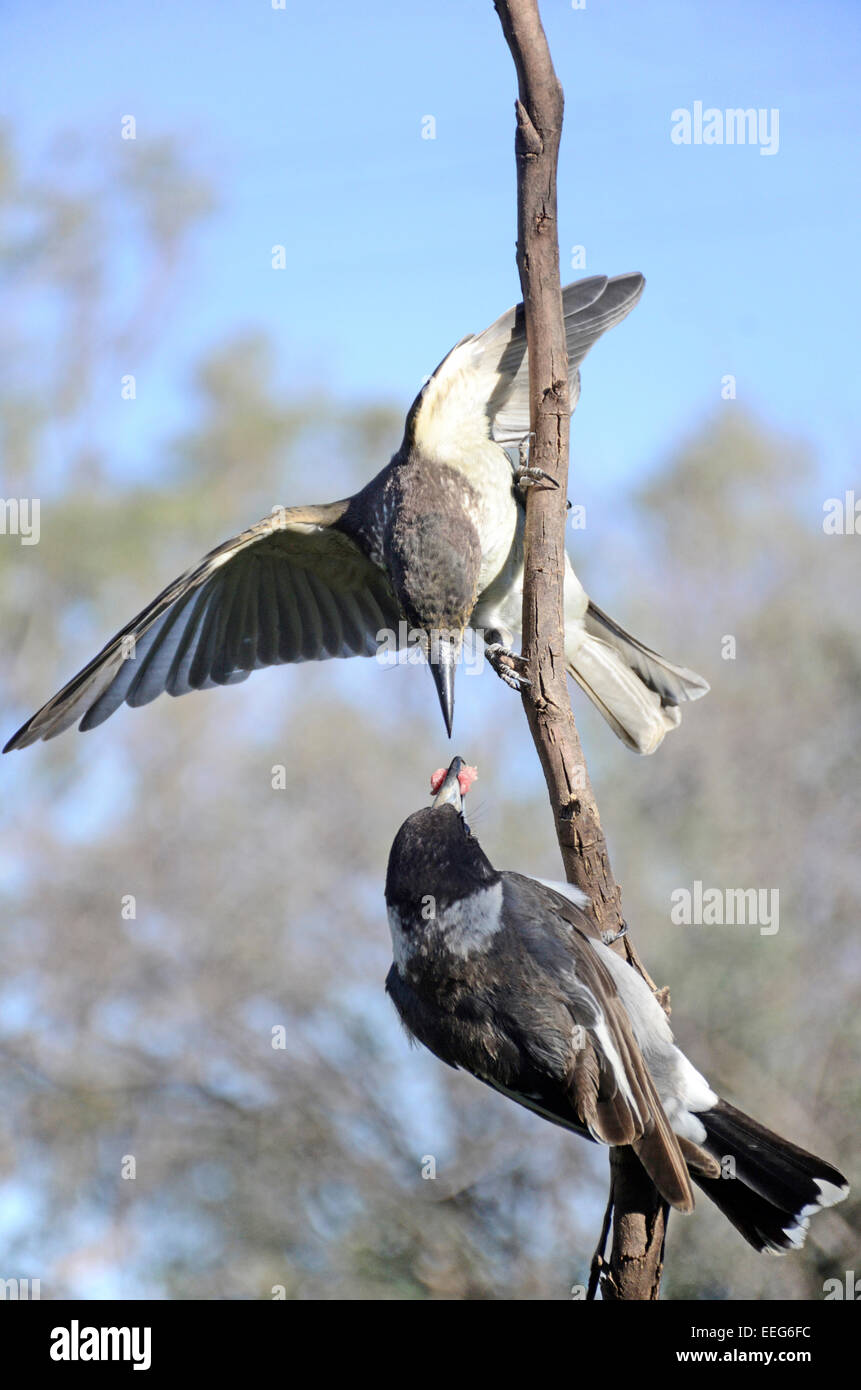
434 855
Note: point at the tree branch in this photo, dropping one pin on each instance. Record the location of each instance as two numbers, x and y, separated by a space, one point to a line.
639 1214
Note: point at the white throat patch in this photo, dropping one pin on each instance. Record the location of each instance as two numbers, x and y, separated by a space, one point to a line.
464 927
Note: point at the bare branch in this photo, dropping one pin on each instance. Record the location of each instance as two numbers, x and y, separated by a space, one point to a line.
639 1214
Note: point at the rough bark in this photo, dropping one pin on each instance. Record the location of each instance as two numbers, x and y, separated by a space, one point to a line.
639 1215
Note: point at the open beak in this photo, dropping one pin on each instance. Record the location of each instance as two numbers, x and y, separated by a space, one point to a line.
450 789
443 666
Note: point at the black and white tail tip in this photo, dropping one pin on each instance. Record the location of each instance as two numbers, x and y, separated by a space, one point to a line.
772 1188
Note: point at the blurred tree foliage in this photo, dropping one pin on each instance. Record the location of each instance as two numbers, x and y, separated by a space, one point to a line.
256 909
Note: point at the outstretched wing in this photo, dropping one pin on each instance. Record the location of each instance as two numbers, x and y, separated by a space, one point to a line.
482 387
292 588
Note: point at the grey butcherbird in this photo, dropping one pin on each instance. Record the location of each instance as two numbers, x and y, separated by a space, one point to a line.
434 541
506 977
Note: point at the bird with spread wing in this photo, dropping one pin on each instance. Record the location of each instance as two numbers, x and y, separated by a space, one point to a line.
432 546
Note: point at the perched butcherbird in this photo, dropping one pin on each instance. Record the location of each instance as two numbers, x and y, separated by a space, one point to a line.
507 978
433 546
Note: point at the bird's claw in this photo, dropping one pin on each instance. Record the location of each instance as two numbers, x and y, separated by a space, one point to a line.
525 477
609 937
504 663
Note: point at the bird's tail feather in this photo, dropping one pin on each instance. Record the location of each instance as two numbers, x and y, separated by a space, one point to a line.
769 1188
636 690
674 684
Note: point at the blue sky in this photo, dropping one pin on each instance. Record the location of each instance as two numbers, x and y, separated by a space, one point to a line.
310 118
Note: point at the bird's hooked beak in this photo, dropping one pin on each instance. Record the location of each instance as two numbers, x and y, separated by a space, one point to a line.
450 788
443 663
